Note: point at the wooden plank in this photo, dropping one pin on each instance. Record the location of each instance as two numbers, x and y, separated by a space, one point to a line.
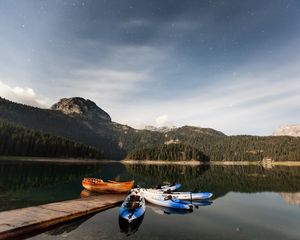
21 222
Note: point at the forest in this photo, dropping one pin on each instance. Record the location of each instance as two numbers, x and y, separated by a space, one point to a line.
116 141
230 148
252 148
20 141
169 152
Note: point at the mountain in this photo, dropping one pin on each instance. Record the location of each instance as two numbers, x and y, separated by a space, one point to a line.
91 129
288 130
81 120
159 129
82 108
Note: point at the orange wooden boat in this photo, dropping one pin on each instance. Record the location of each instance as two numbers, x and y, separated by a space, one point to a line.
97 185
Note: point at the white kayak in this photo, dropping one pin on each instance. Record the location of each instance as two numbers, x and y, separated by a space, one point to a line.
133 207
168 202
156 193
169 187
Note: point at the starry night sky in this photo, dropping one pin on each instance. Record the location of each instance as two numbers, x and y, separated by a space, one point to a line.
231 65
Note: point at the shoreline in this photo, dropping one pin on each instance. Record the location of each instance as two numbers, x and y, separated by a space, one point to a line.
54 160
148 162
161 162
225 163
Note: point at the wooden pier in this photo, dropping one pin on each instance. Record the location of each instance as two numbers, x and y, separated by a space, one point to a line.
24 222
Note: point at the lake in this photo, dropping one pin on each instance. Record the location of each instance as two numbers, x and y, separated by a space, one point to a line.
249 202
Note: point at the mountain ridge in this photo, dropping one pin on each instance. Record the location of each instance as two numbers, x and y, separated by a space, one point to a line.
71 119
288 130
80 107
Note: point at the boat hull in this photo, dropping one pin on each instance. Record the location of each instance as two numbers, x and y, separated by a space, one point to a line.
107 187
166 210
171 203
169 187
178 195
132 214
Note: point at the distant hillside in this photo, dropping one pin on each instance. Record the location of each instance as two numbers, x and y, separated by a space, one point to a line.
131 139
159 129
83 121
19 141
97 132
169 152
252 148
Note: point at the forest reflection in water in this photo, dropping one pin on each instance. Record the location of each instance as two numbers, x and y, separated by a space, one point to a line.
273 202
28 183
221 179
232 213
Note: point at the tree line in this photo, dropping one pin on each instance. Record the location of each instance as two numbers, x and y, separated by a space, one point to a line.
16 140
168 152
252 148
97 134
228 148
115 141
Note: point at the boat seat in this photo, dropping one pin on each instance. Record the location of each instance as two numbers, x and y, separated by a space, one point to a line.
133 204
134 198
168 191
169 197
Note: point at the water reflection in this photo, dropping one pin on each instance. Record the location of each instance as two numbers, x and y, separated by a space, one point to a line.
291 198
201 203
28 183
222 179
132 227
269 212
86 193
31 183
69 227
165 210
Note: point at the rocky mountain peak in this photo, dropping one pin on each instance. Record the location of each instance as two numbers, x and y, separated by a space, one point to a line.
85 108
288 130
159 129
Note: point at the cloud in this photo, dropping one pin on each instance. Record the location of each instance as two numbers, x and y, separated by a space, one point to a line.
247 103
123 75
23 95
163 121
185 64
107 84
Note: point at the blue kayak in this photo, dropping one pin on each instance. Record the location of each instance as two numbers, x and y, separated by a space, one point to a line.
171 203
166 210
202 203
130 228
133 207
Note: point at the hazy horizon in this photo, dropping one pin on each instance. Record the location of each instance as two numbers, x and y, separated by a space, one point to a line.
232 66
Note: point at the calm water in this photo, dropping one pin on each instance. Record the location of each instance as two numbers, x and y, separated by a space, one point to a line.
250 202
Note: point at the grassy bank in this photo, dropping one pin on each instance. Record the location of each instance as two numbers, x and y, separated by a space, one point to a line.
279 163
